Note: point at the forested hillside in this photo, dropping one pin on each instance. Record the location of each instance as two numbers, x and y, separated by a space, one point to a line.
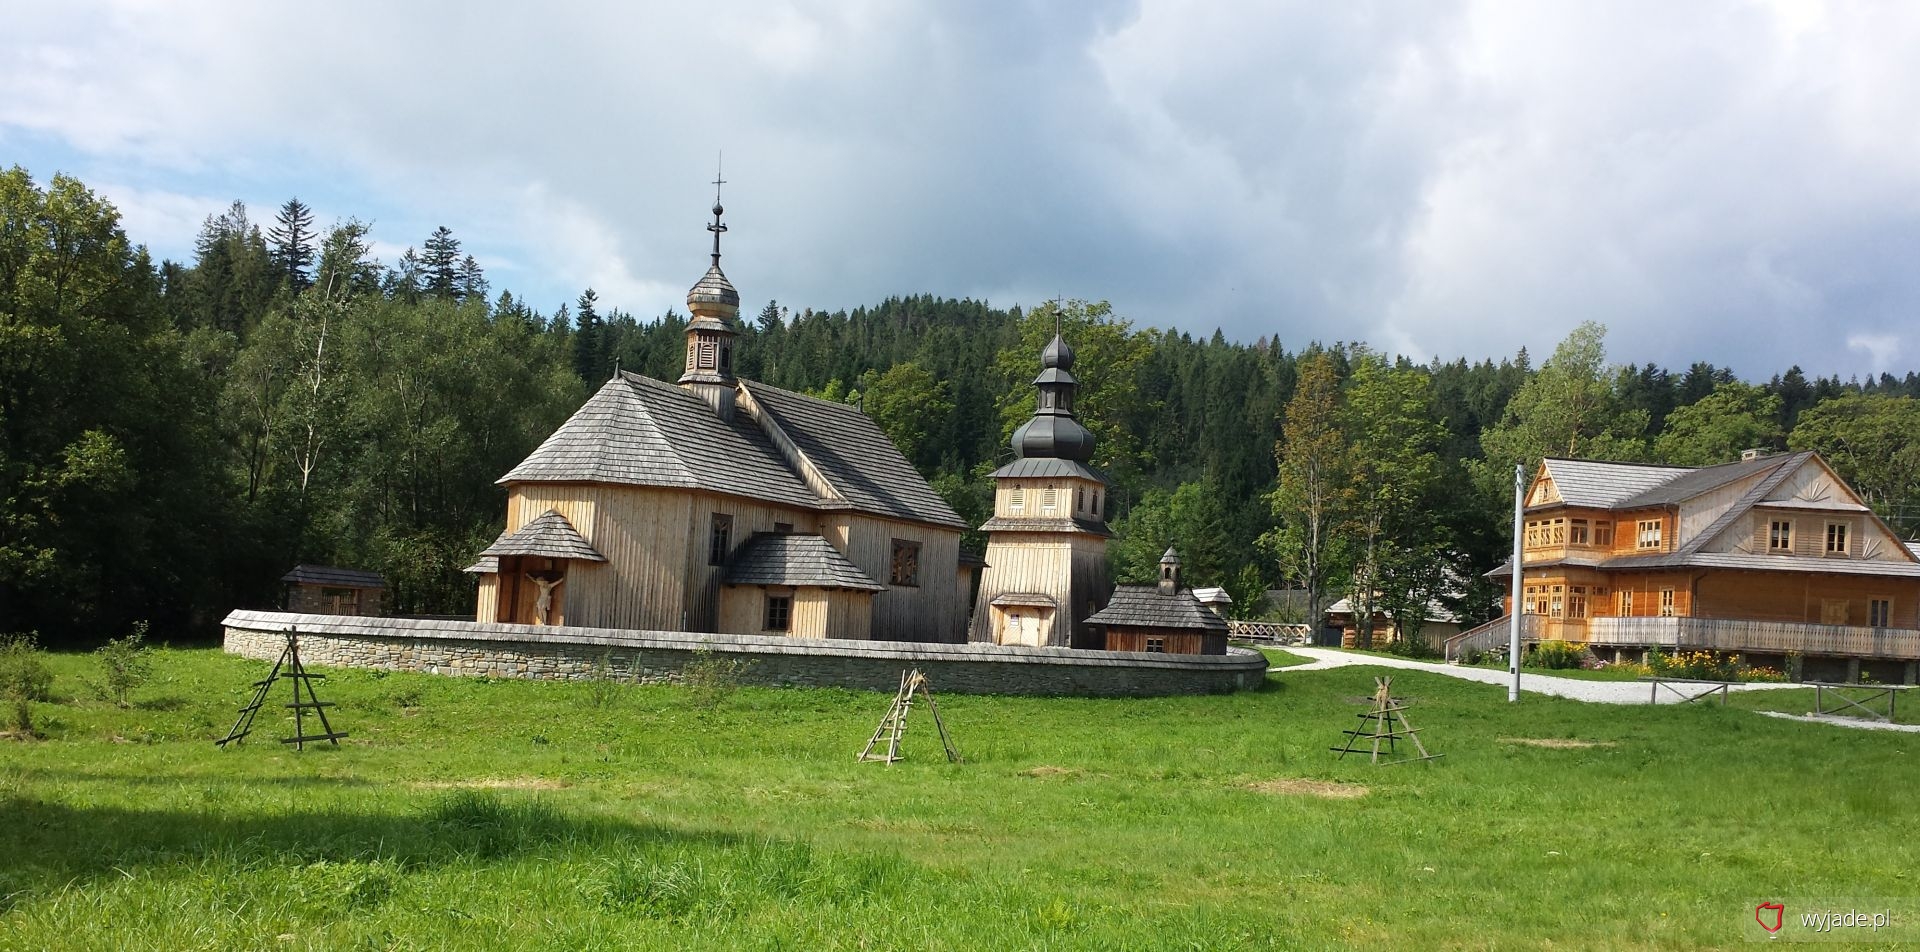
175 435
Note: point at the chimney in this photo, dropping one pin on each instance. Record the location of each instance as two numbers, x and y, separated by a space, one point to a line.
1169 573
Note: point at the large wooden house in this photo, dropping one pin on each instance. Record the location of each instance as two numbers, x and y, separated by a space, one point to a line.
1772 556
724 505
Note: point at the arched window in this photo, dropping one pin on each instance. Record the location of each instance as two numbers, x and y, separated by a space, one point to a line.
1017 499
1048 501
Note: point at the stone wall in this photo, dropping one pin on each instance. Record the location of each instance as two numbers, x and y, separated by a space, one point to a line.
569 653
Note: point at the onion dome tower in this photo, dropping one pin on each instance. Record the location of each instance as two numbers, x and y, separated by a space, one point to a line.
714 305
1047 540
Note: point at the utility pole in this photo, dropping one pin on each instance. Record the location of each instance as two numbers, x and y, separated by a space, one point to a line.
1513 612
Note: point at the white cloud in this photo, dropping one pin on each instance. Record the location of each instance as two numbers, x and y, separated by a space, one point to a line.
1720 180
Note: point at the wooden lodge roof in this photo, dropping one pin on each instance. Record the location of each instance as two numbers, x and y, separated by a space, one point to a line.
778 558
1629 486
548 535
334 576
639 431
1142 606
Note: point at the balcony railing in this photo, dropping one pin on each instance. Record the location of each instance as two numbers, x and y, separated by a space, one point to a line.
1715 634
1729 634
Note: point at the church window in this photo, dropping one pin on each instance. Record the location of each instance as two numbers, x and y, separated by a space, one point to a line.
1096 502
779 612
720 539
1017 499
706 354
1047 500
1080 498
726 358
906 563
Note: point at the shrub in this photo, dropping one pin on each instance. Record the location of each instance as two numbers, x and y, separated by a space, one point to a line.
24 678
605 682
125 664
1557 656
710 680
1413 645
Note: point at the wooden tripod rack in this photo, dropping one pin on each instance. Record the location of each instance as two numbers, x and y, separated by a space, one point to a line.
288 667
894 726
1384 723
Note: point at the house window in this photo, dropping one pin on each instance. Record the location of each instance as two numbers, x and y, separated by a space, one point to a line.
1603 534
1878 611
1836 538
1780 536
1157 645
1577 532
1577 602
1531 604
779 612
1557 607
1017 499
1649 537
1666 603
1626 603
720 539
906 563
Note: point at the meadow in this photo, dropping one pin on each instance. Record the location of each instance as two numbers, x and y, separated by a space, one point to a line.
482 814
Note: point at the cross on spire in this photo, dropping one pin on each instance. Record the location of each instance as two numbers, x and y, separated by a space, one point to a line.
716 227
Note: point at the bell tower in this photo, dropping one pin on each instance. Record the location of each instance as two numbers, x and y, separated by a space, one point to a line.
1047 540
714 305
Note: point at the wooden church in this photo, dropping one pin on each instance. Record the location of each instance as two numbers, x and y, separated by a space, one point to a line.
724 505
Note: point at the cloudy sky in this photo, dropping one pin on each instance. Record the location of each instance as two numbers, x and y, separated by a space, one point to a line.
1736 182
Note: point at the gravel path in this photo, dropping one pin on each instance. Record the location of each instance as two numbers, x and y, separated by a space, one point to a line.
1598 692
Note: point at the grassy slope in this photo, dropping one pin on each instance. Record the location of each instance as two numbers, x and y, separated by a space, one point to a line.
517 814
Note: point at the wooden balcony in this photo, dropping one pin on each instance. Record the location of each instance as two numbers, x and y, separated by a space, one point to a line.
1698 634
1727 634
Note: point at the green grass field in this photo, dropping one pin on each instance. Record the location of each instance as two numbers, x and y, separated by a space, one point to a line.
475 814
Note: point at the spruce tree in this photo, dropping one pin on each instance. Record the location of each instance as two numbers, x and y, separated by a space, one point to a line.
293 244
589 339
440 264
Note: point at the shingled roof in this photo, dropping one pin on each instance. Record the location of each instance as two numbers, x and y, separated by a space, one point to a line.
334 575
1142 606
772 558
1583 482
639 431
855 458
548 535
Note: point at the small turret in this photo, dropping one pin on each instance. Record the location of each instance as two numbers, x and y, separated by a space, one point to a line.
714 305
1169 573
1053 433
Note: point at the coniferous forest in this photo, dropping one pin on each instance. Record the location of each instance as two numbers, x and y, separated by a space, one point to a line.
174 436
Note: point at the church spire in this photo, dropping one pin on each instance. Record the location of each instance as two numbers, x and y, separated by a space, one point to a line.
1053 432
714 304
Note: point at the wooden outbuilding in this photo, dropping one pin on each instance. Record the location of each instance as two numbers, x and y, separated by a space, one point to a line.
1161 618
331 590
